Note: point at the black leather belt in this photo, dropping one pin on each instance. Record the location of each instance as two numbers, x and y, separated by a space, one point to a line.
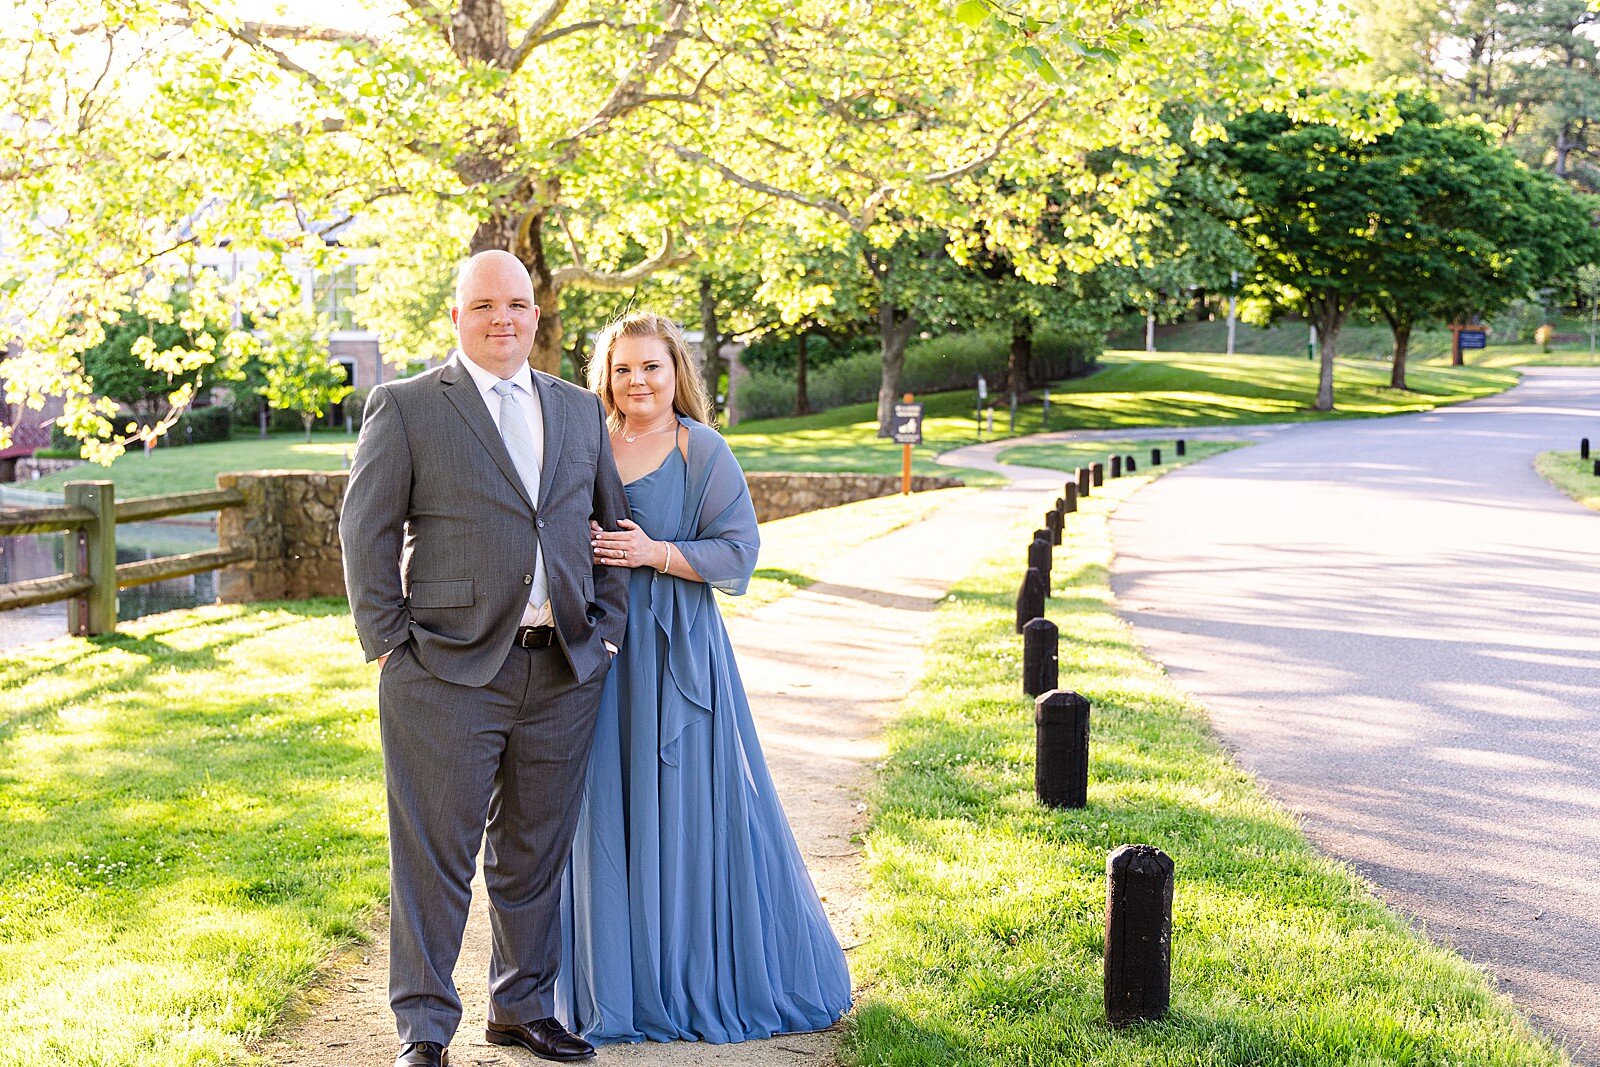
536 636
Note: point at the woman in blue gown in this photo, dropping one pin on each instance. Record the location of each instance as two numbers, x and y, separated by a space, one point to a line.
689 912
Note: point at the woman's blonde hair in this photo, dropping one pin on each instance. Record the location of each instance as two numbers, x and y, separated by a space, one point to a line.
689 390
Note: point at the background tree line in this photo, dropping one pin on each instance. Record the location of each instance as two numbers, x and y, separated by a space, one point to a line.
780 169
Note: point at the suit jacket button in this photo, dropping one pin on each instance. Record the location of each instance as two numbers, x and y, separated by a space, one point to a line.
527 579
541 524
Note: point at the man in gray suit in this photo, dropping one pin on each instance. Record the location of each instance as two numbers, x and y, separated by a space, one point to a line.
467 561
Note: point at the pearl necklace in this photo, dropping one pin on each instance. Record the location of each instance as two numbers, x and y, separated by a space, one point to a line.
647 433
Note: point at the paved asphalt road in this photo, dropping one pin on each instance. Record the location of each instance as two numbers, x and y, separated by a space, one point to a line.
1395 625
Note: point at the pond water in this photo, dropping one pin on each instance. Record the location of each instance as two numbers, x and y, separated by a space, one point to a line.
42 555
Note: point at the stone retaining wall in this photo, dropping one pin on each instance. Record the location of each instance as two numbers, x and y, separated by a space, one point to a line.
30 467
778 495
290 524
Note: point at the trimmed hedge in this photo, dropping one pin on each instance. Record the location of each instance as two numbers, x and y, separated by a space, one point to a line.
199 426
938 364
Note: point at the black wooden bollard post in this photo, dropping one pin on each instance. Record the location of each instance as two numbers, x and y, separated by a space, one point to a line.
1155 457
1069 501
1041 644
1085 476
1597 468
1583 448
1183 447
1041 558
1130 464
1138 934
1030 598
1061 749
1097 474
1116 466
1052 522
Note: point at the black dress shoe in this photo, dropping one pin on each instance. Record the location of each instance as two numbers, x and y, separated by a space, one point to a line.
423 1054
545 1038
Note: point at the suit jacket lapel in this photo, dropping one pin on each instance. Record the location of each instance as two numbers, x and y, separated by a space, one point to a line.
554 430
463 394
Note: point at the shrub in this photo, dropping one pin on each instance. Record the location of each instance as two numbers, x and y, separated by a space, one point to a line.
355 405
199 426
952 361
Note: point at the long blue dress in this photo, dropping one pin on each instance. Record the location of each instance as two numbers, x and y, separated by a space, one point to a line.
688 909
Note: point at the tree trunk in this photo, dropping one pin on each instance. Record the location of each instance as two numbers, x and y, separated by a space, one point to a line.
1329 317
1150 330
1402 342
500 230
1019 368
710 340
895 326
802 402
307 418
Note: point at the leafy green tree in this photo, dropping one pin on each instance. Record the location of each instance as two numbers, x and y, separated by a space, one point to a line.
120 374
590 137
1461 228
298 374
1426 222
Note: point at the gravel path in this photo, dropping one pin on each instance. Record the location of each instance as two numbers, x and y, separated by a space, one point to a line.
824 669
1395 624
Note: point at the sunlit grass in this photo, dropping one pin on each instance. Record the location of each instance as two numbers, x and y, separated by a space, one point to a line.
190 467
1132 389
794 550
1370 343
1070 455
191 819
1572 475
986 924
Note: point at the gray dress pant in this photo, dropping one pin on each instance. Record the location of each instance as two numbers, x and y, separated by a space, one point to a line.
509 756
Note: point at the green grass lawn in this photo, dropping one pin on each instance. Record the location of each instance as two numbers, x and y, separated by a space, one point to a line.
176 470
794 550
191 819
1573 476
1363 342
986 926
1069 456
1131 389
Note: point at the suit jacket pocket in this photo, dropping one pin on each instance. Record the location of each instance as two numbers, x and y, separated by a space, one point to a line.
586 583
449 593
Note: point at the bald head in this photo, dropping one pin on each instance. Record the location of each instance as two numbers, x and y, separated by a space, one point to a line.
494 313
494 259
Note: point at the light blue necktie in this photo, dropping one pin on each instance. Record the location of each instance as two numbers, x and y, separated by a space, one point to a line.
519 442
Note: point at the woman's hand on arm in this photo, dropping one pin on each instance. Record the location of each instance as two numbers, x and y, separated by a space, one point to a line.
630 547
626 547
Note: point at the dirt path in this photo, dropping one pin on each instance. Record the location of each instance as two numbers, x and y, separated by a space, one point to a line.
824 669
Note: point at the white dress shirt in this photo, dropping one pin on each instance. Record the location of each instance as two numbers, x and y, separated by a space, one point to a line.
533 414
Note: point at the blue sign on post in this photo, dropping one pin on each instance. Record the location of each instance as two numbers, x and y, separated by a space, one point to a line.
1474 339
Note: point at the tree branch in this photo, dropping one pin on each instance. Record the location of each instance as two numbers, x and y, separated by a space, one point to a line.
832 207
988 157
619 281
629 93
514 58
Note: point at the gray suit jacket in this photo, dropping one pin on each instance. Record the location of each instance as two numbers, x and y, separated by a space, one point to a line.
439 534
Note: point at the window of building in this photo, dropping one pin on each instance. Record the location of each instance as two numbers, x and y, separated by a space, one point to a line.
332 293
